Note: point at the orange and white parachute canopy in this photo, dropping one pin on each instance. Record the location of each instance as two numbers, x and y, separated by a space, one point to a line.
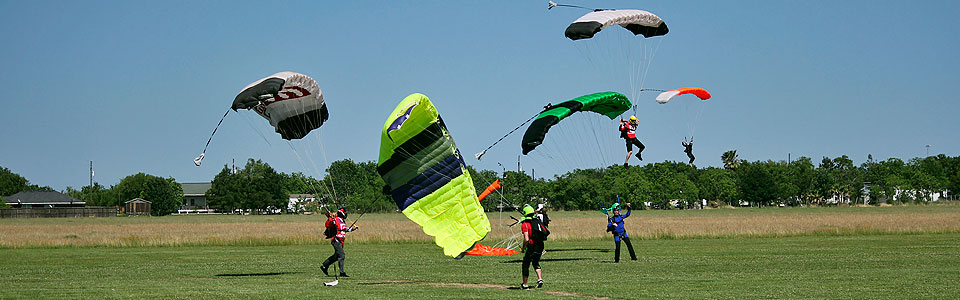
665 97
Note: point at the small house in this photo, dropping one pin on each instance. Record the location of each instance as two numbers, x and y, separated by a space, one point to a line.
137 206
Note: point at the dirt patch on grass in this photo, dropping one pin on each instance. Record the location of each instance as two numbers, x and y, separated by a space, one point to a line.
481 286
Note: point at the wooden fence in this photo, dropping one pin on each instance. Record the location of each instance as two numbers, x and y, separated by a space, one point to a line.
59 212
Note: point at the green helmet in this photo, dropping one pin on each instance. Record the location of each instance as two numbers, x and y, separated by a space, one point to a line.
527 210
613 207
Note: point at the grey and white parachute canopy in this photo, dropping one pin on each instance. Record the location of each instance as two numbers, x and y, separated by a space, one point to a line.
639 22
292 102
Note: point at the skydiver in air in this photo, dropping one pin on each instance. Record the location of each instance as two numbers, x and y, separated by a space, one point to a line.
337 232
628 131
688 149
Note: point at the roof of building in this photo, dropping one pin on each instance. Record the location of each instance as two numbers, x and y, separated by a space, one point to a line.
42 198
195 188
302 196
136 200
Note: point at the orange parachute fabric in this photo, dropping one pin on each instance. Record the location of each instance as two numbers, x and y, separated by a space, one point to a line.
493 187
484 250
665 97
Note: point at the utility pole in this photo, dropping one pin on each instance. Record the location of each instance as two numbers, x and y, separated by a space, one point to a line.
90 192
928 149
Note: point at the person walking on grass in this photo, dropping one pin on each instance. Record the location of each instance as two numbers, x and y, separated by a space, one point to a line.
534 233
615 226
336 231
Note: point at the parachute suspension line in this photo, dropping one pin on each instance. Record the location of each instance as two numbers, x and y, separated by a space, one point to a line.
303 165
247 120
646 70
305 127
692 125
199 159
551 4
481 153
596 137
510 242
323 153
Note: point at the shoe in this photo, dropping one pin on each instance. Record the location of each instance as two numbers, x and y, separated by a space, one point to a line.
524 287
324 269
639 157
344 275
539 284
626 165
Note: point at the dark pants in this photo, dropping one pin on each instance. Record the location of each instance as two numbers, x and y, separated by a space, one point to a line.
616 255
690 155
632 142
338 255
532 255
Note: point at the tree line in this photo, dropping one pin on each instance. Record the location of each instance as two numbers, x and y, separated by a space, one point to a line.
663 185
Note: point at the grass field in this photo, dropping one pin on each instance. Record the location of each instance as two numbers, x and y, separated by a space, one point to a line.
853 252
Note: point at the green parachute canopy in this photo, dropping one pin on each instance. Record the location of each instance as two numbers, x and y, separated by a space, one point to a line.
609 104
427 177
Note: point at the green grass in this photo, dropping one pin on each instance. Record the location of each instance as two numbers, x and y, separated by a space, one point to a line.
891 266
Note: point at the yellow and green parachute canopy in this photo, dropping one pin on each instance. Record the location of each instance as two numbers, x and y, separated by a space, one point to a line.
427 177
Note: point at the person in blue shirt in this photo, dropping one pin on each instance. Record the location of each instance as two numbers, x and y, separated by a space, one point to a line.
615 226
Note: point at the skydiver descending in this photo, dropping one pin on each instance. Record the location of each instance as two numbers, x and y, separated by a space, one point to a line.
628 131
688 149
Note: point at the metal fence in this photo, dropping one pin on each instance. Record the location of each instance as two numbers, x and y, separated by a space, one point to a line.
59 212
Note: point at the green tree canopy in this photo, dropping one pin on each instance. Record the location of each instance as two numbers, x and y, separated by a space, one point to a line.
165 194
256 187
12 183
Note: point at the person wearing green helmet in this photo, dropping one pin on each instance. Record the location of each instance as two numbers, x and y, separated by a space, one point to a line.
532 246
616 227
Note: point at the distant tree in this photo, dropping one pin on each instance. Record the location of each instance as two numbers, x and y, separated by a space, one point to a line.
730 160
719 185
482 179
803 176
297 183
12 183
757 184
575 190
97 196
357 186
165 194
257 187
670 182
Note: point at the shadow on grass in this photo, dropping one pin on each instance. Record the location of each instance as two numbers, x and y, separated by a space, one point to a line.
580 249
255 274
546 260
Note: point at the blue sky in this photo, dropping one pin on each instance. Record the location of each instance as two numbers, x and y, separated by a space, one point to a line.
137 86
